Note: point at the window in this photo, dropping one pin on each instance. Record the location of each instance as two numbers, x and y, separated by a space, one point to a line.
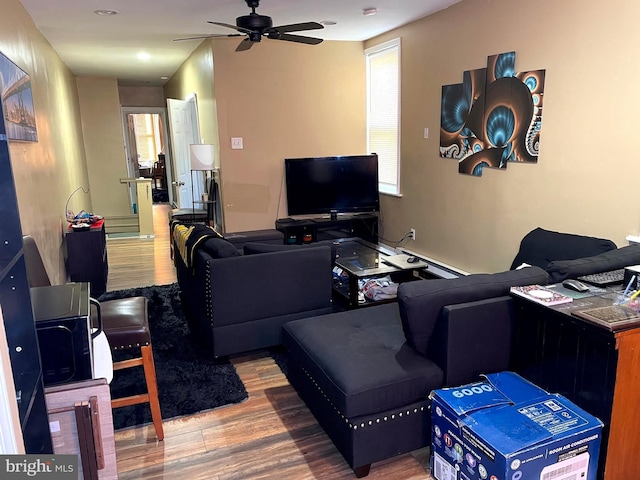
148 138
383 112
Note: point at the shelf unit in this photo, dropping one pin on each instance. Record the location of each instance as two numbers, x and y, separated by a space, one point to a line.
19 324
364 226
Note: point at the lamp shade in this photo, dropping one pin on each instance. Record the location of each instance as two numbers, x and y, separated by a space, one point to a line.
202 156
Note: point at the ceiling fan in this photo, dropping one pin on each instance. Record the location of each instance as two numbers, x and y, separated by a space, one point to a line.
254 26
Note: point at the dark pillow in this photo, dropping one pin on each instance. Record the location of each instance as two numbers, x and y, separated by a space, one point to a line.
539 247
422 301
605 262
253 248
219 248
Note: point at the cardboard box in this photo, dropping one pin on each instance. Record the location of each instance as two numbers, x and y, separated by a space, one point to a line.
506 428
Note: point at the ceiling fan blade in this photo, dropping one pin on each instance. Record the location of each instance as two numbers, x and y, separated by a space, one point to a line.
299 39
245 44
209 36
227 25
298 27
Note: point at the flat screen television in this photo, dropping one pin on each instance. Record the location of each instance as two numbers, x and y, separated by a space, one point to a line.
332 185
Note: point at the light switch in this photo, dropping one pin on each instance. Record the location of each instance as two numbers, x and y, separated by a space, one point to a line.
236 143
426 132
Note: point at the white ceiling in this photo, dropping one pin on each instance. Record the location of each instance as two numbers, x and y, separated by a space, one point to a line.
107 46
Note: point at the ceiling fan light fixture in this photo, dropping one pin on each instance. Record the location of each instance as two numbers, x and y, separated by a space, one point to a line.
106 12
369 11
255 26
328 23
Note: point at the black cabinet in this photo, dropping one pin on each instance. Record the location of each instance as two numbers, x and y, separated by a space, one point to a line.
18 315
87 257
364 226
591 366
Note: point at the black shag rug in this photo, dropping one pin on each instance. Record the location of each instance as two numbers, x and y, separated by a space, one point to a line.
189 379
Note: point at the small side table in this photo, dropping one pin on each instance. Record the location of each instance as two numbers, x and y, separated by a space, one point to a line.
87 257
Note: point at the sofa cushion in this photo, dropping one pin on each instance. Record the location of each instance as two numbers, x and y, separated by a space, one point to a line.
253 248
539 247
219 248
605 262
360 361
240 239
422 301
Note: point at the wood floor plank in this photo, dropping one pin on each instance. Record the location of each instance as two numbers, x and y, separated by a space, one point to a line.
270 435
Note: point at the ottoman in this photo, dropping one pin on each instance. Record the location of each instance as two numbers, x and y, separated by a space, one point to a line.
366 387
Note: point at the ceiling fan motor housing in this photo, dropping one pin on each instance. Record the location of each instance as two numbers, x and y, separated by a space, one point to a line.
253 21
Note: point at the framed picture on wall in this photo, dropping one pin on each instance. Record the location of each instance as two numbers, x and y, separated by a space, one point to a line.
17 102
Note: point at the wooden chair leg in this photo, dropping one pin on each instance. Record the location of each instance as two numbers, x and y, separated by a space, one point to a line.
152 389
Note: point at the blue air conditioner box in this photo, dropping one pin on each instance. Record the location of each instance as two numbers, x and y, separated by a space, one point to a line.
506 428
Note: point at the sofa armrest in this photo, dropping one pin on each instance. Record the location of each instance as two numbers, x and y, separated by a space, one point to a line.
251 287
473 338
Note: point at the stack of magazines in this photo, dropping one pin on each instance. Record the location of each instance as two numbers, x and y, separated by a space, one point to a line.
541 294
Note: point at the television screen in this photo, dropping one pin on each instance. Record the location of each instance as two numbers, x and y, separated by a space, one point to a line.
332 185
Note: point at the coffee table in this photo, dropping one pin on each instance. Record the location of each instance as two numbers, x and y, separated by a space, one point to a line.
357 260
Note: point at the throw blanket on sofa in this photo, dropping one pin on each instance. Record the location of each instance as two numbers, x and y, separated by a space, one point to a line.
187 237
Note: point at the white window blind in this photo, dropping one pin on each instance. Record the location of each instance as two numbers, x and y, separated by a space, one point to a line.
147 137
383 112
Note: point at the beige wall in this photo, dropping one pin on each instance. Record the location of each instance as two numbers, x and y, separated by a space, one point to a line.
196 76
46 172
588 138
104 146
284 100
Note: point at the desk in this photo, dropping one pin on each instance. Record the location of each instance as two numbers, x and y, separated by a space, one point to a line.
594 367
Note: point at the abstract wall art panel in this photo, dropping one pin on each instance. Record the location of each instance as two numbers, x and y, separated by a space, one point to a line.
493 117
17 100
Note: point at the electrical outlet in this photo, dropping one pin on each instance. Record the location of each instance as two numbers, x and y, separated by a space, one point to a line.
412 233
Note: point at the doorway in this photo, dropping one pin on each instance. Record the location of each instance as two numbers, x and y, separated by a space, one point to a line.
146 151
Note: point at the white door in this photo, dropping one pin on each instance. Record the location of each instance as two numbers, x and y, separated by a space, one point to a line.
183 132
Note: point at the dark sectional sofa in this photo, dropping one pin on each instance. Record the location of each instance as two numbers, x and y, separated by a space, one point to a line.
366 374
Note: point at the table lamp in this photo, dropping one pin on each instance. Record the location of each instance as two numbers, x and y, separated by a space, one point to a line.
202 158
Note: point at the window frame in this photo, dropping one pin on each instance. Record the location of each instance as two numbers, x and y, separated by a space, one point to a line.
393 44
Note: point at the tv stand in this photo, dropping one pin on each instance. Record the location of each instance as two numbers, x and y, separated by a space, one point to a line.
315 229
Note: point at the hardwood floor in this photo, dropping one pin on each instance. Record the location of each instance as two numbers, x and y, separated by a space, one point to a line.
270 435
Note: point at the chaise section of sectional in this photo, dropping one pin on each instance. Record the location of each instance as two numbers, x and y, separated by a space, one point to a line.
366 374
363 383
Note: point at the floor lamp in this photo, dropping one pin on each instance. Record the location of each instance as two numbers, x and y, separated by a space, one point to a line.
202 158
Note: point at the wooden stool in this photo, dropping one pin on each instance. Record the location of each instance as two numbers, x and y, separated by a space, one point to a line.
126 324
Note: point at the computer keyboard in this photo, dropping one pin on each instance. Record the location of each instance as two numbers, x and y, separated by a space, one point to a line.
603 279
